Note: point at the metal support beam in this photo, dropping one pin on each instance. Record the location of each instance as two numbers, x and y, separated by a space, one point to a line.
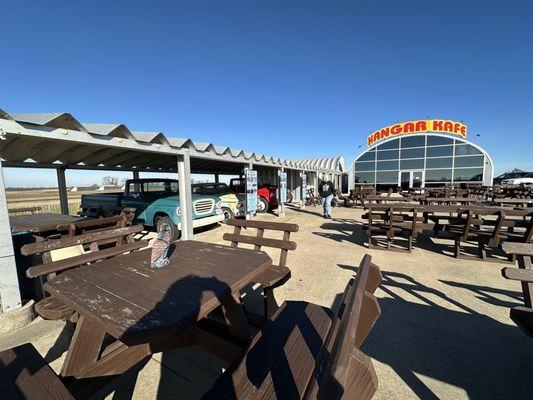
184 176
136 174
62 187
9 283
217 178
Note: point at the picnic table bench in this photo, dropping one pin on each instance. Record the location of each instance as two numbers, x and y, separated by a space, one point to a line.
69 252
25 375
276 275
146 310
522 316
41 225
309 351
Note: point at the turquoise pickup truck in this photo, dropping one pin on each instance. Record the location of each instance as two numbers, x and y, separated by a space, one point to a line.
156 202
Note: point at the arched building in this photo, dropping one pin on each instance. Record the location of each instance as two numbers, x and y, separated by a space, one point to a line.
421 154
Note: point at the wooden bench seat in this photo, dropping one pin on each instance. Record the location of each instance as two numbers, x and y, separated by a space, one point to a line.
68 252
25 375
522 316
276 275
308 351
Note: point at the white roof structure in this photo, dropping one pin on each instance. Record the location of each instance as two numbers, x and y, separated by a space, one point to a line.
59 139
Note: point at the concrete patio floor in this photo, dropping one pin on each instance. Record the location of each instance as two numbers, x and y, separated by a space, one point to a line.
444 332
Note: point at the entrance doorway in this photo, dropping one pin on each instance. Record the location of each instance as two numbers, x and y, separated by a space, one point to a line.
412 179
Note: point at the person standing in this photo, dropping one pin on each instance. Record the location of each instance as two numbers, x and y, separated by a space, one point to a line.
325 190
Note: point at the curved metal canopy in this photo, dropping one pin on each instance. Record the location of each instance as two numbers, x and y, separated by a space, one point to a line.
55 139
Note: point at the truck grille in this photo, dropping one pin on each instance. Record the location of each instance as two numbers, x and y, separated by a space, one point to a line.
202 207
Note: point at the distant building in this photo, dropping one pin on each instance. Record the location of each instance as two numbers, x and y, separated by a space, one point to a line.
419 154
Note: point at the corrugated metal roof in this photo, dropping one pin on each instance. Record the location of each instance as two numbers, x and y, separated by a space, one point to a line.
50 138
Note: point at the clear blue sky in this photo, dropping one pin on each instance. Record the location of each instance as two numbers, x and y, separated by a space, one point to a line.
285 78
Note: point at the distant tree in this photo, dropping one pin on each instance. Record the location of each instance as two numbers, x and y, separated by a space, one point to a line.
110 181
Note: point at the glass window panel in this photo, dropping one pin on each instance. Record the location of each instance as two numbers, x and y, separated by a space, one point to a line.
468 174
388 155
364 166
439 162
387 165
412 164
465 149
439 151
439 141
469 161
413 141
364 177
368 156
413 153
387 177
443 175
393 144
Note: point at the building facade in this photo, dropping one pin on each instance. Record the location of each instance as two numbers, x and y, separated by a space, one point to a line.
406 157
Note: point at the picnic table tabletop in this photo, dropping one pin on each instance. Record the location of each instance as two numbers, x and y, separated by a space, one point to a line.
39 223
134 302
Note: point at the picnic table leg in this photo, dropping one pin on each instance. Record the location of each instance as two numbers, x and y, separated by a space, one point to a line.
235 317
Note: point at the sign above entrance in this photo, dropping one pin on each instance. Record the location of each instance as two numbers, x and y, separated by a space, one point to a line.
423 125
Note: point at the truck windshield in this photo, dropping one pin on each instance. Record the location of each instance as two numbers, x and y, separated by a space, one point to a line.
169 187
217 188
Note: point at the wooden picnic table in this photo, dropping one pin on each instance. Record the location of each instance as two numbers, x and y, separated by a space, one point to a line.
150 310
514 202
40 224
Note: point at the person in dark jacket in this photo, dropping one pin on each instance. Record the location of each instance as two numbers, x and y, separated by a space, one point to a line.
326 190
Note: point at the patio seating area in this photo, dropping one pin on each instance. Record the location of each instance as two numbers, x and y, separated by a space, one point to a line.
444 329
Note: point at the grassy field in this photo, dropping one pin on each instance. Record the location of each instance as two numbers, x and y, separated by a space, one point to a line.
46 199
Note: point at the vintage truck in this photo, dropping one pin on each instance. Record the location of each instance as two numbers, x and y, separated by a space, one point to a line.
232 204
267 194
156 202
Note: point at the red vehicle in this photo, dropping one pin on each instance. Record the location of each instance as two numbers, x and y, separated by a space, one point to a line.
267 194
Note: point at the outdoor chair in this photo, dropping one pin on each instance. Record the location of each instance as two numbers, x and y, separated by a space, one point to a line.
70 252
25 375
391 224
307 351
522 316
276 275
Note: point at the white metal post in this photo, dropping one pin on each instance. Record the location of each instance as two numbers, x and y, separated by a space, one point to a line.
303 187
281 206
249 215
62 187
9 283
184 176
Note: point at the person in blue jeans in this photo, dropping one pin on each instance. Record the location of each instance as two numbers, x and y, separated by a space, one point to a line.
326 190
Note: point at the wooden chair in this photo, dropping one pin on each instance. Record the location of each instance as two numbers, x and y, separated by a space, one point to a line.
312 199
25 375
307 351
276 275
391 223
69 252
522 316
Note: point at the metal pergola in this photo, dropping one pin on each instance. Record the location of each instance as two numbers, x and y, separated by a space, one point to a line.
59 141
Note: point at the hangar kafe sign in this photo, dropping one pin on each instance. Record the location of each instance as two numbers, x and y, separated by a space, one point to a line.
424 125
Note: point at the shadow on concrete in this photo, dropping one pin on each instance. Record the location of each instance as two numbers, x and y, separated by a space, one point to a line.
343 230
308 211
452 344
489 294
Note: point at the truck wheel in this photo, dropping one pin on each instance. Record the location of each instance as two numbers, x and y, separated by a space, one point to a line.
262 205
166 222
228 214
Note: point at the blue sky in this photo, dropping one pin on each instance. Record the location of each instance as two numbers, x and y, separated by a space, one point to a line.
284 78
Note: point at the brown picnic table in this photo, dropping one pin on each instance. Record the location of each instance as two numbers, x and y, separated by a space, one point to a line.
148 310
514 202
41 224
